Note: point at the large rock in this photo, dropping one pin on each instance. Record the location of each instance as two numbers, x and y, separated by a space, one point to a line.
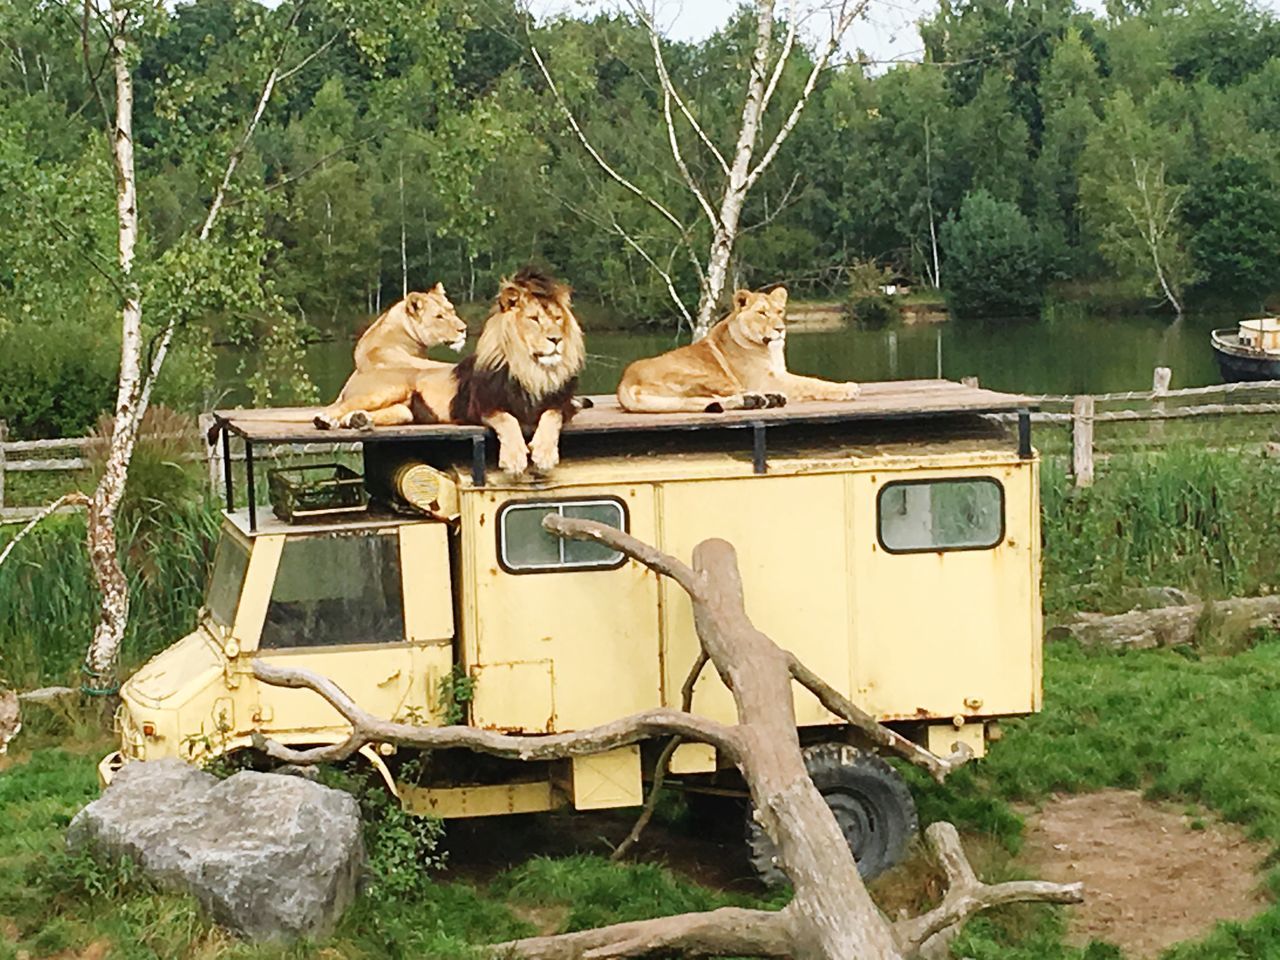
271 857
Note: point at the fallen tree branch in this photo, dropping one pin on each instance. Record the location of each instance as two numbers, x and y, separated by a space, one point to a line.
729 931
77 498
937 767
660 768
1167 626
366 728
967 895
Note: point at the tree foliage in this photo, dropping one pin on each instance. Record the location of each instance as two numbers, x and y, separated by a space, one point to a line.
993 260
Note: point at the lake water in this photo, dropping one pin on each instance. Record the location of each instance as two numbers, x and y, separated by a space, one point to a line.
1077 353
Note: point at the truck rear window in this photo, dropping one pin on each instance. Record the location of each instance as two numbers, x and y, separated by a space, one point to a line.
916 516
524 547
336 589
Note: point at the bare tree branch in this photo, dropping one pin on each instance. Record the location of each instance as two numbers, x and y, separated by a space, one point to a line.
77 498
664 759
937 767
967 895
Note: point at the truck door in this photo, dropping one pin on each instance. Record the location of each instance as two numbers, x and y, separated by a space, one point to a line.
337 608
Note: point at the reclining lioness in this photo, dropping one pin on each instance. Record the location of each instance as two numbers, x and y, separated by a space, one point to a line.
739 365
390 357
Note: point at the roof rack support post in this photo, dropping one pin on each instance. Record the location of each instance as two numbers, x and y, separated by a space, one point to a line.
1024 433
478 458
227 487
759 450
253 493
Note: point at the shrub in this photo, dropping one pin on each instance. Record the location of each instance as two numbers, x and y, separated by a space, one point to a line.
1234 211
55 384
993 266
867 304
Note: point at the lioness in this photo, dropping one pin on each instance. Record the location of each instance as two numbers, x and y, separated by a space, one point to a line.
389 358
522 377
739 365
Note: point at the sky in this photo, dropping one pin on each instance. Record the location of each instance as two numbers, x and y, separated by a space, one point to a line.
887 34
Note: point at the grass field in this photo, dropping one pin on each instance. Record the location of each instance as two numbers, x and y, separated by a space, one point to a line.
1178 725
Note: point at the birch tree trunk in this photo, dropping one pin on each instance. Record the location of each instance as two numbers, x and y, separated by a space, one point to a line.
113 588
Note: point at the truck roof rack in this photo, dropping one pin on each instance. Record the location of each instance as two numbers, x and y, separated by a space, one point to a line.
892 400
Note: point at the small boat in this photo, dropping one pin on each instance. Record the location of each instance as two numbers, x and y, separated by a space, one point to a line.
1249 352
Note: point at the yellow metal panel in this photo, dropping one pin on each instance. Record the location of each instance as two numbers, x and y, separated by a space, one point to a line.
790 536
260 577
379 677
943 738
608 780
428 586
515 697
484 801
693 758
1036 612
946 633
599 628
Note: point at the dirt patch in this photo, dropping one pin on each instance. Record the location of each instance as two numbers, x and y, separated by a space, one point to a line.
1153 876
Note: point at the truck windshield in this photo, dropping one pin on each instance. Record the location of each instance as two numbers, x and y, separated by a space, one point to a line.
336 589
229 565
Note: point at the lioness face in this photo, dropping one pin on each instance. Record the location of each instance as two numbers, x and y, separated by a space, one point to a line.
544 328
432 319
760 319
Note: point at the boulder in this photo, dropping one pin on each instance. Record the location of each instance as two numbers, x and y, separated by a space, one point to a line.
271 857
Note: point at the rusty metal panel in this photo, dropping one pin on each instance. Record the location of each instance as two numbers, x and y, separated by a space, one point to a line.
515 697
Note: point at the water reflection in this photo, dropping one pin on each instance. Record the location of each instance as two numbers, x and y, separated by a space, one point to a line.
1072 354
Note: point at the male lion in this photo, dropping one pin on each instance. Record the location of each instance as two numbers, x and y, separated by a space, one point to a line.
522 377
739 365
389 358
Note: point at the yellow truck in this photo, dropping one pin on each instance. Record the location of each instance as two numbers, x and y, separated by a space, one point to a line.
891 542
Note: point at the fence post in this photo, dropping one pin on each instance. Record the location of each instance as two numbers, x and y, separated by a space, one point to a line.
1159 387
1082 441
212 454
4 435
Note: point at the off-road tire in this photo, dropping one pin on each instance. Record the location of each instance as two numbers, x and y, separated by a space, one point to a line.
872 804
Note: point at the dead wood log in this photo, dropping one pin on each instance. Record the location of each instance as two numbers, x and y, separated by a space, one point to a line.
831 916
1168 626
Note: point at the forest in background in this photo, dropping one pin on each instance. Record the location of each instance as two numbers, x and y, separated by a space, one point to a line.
1037 143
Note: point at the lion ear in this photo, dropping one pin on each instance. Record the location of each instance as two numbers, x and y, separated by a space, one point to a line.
741 299
778 296
411 305
508 295
438 288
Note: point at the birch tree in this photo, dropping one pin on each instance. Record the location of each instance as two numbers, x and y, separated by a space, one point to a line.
721 196
142 360
1131 204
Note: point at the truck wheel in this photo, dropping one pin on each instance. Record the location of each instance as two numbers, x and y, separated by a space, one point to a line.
871 802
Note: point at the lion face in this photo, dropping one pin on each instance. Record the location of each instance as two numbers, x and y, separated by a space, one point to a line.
760 319
534 333
430 319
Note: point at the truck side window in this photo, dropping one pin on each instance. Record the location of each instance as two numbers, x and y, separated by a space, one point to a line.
336 589
524 547
916 516
229 565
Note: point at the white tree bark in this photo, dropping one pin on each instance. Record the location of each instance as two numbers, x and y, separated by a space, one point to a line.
737 173
133 394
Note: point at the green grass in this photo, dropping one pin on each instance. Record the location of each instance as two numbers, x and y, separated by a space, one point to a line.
1197 729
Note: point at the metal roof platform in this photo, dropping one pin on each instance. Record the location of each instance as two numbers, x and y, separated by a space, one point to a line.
893 401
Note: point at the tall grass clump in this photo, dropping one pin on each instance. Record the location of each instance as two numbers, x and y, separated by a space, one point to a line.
1204 521
166 529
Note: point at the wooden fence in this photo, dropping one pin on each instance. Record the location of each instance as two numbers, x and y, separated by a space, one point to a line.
70 454
1078 413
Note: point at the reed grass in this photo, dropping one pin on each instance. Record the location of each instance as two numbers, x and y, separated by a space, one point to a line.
1203 521
48 605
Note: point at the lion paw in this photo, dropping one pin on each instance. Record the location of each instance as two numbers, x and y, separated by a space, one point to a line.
545 454
323 423
754 401
357 420
715 407
513 458
775 399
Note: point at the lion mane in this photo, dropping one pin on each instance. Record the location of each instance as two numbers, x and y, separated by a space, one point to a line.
505 373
